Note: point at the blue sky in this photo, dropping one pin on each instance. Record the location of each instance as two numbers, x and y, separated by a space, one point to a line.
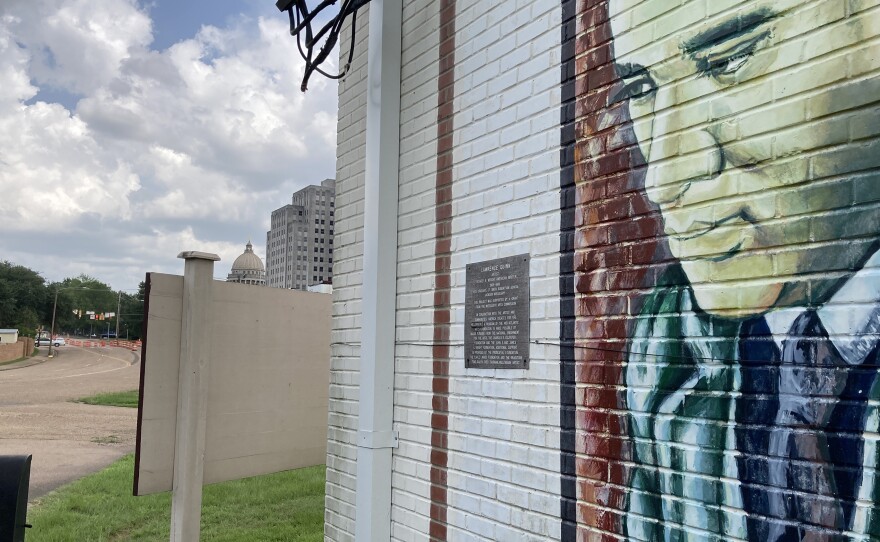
174 21
131 131
177 20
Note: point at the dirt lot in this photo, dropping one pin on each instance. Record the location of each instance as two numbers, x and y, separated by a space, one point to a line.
67 440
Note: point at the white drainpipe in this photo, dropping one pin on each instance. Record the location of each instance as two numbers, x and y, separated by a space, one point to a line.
375 410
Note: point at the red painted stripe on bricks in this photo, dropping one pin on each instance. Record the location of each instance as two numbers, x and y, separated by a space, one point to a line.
442 269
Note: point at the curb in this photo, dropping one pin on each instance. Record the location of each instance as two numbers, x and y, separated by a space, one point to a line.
24 363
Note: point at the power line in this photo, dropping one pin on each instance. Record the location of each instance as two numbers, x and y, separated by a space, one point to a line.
578 346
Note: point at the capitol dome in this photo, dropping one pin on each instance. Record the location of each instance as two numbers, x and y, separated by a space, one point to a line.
248 268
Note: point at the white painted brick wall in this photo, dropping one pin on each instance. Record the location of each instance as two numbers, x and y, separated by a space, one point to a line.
504 437
411 479
503 443
339 514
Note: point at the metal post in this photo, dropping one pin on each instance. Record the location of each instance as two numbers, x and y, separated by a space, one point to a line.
376 437
192 396
52 329
118 305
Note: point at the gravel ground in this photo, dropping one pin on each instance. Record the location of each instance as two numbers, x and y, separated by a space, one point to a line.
67 440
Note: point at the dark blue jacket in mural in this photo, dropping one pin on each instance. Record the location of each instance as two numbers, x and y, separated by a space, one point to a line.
737 437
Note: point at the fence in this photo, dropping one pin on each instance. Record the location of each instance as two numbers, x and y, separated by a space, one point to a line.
90 343
20 349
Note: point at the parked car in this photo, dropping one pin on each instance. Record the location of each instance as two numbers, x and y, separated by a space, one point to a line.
45 341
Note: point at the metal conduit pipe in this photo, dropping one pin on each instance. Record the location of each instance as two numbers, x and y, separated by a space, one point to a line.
376 437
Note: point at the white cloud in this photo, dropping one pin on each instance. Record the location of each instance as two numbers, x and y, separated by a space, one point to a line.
77 45
165 150
52 171
128 259
163 245
14 61
237 111
193 192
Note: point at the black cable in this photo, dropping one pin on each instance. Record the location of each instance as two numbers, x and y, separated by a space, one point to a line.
579 347
301 19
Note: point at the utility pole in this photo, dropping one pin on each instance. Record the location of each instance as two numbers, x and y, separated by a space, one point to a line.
54 308
118 305
52 329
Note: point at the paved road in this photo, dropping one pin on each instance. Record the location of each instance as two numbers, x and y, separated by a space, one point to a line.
67 440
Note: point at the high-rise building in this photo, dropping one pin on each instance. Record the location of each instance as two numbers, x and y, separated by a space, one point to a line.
299 245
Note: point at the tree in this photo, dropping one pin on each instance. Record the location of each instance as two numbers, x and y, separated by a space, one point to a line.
26 303
24 298
79 295
132 313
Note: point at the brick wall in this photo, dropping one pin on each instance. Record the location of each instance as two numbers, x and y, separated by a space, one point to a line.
411 479
726 270
339 512
20 349
499 439
503 472
702 220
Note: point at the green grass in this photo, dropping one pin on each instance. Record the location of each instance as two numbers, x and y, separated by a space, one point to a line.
282 507
120 398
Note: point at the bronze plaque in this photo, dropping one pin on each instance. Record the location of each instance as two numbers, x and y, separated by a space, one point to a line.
496 314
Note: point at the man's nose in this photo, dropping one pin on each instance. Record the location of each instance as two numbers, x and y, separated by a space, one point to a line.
683 151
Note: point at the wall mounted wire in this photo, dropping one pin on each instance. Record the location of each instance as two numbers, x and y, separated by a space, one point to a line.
308 40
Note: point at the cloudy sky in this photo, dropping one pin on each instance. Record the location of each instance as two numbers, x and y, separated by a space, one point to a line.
131 130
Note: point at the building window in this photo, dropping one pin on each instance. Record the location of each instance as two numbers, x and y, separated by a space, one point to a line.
316 258
314 268
316 239
322 231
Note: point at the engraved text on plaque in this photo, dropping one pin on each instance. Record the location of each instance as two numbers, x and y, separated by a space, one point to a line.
496 315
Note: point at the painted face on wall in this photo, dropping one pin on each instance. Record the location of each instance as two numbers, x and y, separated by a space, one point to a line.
758 125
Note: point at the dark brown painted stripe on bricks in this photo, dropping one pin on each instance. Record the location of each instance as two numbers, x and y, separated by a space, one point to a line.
567 190
442 273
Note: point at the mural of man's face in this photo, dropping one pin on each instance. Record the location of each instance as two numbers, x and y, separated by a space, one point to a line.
758 122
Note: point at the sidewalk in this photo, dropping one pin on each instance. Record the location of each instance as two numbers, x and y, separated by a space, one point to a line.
42 356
